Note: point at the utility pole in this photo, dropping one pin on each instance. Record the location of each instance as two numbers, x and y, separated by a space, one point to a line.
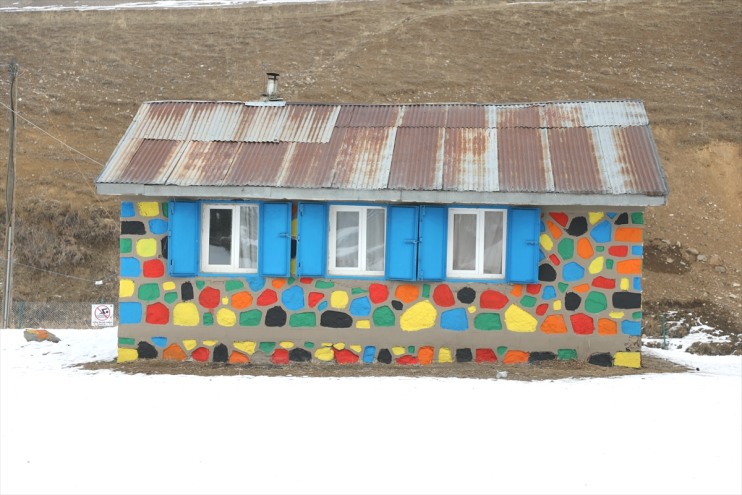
9 198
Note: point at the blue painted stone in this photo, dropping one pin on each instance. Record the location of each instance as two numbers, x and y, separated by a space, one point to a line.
159 341
127 209
130 267
130 312
637 250
322 306
360 306
631 327
541 255
637 283
293 298
255 282
369 353
543 227
157 226
611 214
549 293
572 271
601 232
454 319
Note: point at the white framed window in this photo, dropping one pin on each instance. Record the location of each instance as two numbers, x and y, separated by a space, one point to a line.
476 243
356 243
229 238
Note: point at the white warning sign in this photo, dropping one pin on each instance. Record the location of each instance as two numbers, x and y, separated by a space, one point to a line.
101 315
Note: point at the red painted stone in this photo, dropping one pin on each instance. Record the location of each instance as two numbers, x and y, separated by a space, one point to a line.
280 356
314 298
345 356
541 309
492 299
604 283
560 218
443 296
618 250
157 314
533 288
200 354
306 280
267 297
407 359
485 356
153 269
378 293
209 297
582 324
554 259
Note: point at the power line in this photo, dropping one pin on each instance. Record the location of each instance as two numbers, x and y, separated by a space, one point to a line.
52 272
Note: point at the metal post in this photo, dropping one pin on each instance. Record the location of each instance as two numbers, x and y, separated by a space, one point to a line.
9 197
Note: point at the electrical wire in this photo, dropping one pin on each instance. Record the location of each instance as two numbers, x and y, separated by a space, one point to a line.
54 273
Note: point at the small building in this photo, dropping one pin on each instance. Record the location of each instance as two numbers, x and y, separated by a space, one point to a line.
292 232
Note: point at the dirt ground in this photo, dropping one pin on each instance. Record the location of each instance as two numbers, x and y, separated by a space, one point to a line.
84 74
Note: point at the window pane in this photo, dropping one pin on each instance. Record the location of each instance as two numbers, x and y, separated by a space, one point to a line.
464 241
346 239
220 236
493 242
248 237
375 231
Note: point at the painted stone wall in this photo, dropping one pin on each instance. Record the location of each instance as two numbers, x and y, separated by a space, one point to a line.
586 305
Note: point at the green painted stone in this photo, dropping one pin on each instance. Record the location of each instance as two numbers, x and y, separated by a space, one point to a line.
126 341
502 350
251 318
124 245
171 297
324 284
357 290
488 321
426 290
528 301
308 319
410 349
208 319
200 284
290 280
231 285
595 302
637 217
567 354
149 292
309 345
562 286
566 248
637 315
267 347
383 317
600 249
164 208
609 264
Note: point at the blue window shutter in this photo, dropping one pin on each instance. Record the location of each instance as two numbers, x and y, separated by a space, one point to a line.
184 236
274 242
311 244
523 250
431 256
401 242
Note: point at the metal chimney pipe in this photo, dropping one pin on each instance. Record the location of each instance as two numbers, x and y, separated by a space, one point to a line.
271 85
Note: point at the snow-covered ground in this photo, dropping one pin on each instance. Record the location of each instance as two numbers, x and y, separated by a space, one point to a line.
66 430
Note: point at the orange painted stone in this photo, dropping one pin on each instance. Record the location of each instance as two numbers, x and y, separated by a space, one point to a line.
606 326
277 283
241 300
443 296
492 299
237 357
485 356
209 297
517 290
267 297
280 356
378 293
407 293
555 231
584 248
425 354
533 288
407 359
173 352
633 266
515 357
554 324
628 234
581 288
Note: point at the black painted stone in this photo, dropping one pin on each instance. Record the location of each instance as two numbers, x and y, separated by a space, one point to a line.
132 228
572 301
627 300
622 219
463 355
163 247
601 359
186 291
275 317
397 305
577 226
535 357
335 319
299 355
384 356
146 350
466 295
546 273
221 354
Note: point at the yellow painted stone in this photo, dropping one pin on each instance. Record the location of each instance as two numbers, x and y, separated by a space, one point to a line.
363 324
557 305
398 350
226 317
616 315
325 354
339 299
245 346
339 346
471 309
127 355
356 348
519 320
146 248
624 283
185 314
190 344
168 285
595 216
326 344
149 208
444 355
628 359
546 242
225 300
126 287
286 344
596 265
419 317
210 343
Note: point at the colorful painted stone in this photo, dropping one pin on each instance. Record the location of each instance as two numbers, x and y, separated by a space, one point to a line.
267 297
560 218
584 248
201 354
209 297
546 273
596 302
369 353
443 297
487 321
425 355
577 226
604 283
492 299
339 299
566 248
538 357
280 356
133 228
298 320
606 326
220 354
567 354
573 271
236 357
157 314
275 317
572 301
407 293
293 298
130 313
627 300
582 324
360 306
463 355
466 295
554 324
515 357
335 319
454 319
519 320
345 356
484 355
174 352
378 293
602 232
185 314
146 248
148 292
226 317
383 316
129 267
419 316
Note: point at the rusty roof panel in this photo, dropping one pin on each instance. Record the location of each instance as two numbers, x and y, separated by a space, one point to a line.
303 166
166 120
151 163
470 160
467 116
261 124
518 116
614 113
574 165
425 116
562 115
203 163
364 159
521 160
636 152
309 123
370 116
418 159
257 164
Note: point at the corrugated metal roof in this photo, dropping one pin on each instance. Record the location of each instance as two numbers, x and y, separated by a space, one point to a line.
567 148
